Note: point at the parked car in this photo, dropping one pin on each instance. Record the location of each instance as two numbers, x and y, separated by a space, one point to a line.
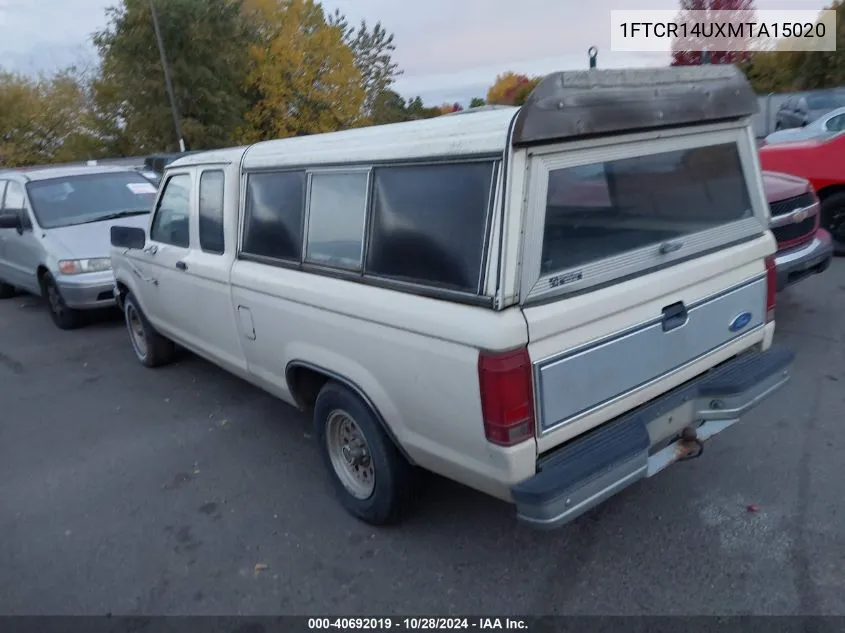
828 124
150 175
804 249
432 295
802 109
822 162
54 233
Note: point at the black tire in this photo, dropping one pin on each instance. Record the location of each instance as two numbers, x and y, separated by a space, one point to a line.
7 291
64 317
151 348
392 478
833 219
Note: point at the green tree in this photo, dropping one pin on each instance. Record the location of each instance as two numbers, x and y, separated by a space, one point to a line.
206 43
418 110
373 51
823 69
389 107
303 78
477 102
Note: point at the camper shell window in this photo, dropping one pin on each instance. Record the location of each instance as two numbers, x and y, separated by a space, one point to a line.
429 223
273 223
337 211
604 209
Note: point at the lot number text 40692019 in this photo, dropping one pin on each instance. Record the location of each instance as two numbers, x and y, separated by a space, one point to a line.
417 624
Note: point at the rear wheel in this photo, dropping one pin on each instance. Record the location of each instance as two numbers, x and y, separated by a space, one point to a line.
151 348
64 317
833 219
6 291
372 479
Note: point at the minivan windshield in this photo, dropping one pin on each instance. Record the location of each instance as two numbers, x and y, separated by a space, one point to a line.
86 198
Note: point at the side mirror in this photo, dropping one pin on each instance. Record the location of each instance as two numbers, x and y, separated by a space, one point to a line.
10 220
128 237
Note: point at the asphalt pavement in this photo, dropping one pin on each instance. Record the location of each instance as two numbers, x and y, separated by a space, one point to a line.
184 490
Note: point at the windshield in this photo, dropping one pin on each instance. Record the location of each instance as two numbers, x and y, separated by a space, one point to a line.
87 198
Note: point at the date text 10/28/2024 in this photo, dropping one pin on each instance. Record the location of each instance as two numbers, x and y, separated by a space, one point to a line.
418 624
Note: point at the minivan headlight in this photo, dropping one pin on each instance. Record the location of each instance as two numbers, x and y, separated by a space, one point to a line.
77 266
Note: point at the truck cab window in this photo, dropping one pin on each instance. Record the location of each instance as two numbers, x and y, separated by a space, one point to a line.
211 212
171 223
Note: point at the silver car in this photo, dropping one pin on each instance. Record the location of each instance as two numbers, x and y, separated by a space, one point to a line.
55 225
828 124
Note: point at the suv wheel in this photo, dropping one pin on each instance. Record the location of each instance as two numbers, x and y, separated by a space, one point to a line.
7 291
64 317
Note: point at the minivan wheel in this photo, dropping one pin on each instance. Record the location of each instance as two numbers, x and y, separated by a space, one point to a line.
7 291
833 219
64 317
372 479
151 348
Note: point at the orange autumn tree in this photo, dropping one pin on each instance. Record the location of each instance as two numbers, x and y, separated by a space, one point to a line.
446 108
303 79
511 89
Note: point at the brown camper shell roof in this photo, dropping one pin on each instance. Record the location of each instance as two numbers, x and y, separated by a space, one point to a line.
576 104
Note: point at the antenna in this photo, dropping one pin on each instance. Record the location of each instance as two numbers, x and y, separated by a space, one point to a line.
593 52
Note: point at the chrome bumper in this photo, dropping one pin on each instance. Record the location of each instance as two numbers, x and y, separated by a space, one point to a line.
590 470
800 262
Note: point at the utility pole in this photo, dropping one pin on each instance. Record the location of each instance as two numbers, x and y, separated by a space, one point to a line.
167 81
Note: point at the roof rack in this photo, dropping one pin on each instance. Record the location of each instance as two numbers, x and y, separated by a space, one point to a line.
578 104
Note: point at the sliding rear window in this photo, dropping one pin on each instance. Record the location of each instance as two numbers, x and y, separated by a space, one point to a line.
606 209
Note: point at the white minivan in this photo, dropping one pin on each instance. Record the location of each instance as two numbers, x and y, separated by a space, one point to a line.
545 303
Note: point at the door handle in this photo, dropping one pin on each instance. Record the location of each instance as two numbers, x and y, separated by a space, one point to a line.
181 265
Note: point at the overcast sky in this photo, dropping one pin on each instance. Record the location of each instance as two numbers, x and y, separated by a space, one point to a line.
450 50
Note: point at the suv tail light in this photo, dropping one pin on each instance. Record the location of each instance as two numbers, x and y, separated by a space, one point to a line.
771 288
507 396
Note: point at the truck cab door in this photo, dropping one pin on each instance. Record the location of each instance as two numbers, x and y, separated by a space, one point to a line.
162 261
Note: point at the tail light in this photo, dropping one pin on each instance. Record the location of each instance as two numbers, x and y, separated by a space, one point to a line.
771 288
507 396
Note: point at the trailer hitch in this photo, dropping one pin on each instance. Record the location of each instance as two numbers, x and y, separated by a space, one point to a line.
693 447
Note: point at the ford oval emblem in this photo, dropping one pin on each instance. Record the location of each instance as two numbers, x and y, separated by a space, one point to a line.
740 321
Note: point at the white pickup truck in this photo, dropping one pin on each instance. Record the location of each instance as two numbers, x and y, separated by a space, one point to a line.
545 303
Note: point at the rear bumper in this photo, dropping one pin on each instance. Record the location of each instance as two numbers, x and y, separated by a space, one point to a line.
88 290
592 469
798 263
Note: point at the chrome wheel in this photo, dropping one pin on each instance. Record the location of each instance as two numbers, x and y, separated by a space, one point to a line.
350 455
136 331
